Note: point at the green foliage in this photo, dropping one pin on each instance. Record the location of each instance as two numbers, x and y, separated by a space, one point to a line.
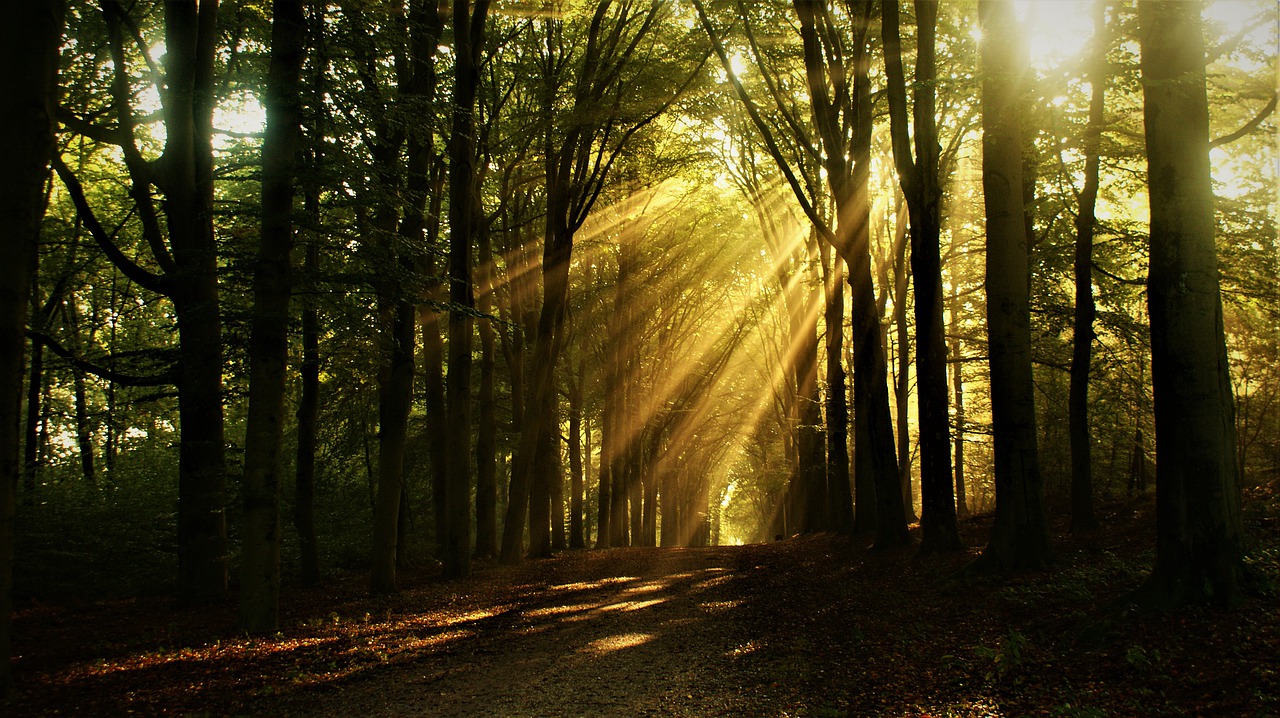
112 539
1068 710
1003 661
1143 661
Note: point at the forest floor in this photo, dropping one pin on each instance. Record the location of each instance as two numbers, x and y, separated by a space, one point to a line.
814 626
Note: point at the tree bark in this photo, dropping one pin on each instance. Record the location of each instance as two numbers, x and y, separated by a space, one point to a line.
487 432
839 489
957 388
191 43
577 533
304 501
464 218
1020 538
29 43
1082 515
269 337
1198 526
921 187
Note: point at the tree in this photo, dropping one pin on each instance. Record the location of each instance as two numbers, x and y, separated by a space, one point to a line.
184 248
1198 532
1020 537
397 235
1082 516
29 41
846 159
464 218
841 115
919 176
599 89
269 348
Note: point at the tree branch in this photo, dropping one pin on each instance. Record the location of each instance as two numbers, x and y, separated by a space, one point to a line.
166 378
1249 126
127 266
753 112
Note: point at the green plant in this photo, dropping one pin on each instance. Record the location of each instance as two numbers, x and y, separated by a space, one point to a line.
1005 658
1143 661
1066 710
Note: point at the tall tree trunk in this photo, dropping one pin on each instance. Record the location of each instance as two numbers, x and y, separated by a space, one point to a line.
487 433
31 434
1020 536
84 433
464 216
604 476
269 337
541 494
839 488
1082 516
809 488
848 171
395 392
308 412
957 387
923 191
577 534
436 419
304 502
191 42
902 387
29 43
1198 528
558 540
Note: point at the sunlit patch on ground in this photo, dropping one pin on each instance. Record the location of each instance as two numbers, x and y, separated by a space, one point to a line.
567 609
590 585
717 606
749 647
625 606
610 644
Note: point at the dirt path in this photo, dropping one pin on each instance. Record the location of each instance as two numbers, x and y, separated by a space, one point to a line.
655 638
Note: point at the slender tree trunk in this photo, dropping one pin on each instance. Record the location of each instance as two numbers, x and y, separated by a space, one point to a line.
577 537
604 475
395 392
269 338
84 433
31 454
902 388
1082 516
957 387
810 485
1198 526
556 466
848 172
923 192
304 502
29 43
839 488
1020 537
464 215
487 433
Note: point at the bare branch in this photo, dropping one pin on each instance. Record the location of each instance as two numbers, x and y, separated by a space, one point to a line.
1249 126
127 266
164 379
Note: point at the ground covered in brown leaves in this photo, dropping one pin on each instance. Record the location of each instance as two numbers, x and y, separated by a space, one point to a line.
815 626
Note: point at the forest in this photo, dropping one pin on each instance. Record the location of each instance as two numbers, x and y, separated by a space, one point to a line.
646 326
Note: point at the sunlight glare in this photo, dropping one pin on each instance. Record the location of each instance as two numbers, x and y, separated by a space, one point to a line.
1056 29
